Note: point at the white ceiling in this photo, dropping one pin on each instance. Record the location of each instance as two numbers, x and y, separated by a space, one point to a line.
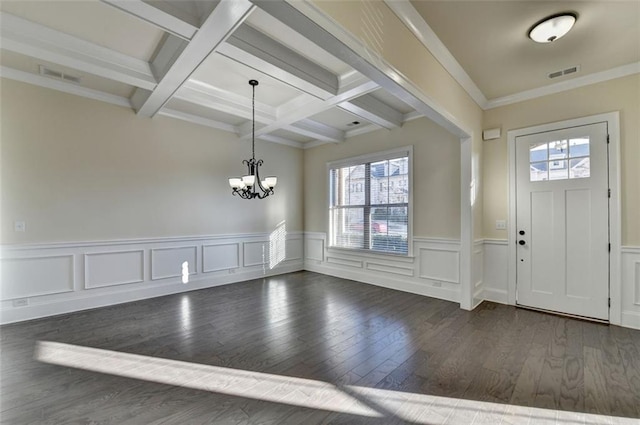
489 39
192 59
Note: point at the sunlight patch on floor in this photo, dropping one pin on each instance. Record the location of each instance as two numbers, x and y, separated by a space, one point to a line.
313 394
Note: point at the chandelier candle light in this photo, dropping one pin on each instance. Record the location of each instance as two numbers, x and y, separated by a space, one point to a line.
250 186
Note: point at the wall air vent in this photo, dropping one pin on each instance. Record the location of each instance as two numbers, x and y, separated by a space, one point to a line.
58 75
567 71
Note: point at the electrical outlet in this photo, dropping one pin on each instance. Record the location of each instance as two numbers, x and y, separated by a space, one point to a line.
19 226
437 284
232 271
501 224
22 302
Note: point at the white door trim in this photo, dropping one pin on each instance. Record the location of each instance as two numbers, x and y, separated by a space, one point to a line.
613 123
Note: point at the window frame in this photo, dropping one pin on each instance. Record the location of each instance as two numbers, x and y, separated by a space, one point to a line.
362 160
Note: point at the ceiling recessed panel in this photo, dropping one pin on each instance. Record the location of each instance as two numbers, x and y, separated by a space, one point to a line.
28 64
489 39
289 135
340 119
227 74
275 29
92 21
201 111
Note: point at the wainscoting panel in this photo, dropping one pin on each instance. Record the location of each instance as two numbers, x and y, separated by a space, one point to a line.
431 271
48 279
631 287
494 270
113 268
256 253
314 247
295 249
345 262
439 264
220 257
36 276
167 262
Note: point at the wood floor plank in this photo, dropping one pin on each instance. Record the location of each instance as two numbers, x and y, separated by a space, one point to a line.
378 356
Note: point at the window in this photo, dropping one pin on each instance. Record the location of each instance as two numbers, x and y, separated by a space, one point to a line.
375 218
560 160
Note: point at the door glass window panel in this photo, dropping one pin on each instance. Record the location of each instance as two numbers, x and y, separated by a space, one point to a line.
558 170
559 159
538 152
579 168
578 147
538 171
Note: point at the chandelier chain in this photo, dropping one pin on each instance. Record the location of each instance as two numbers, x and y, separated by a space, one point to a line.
253 119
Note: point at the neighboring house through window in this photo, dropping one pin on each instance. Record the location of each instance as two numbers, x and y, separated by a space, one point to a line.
370 202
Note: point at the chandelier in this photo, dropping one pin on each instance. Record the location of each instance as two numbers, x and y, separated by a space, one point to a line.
250 186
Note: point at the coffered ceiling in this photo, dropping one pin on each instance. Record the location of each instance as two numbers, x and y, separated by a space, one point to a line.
192 59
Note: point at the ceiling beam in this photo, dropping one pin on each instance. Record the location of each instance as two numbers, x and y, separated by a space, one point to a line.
40 42
307 19
303 107
255 49
203 94
162 19
374 111
222 21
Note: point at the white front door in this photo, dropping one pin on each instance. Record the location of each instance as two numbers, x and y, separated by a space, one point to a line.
562 221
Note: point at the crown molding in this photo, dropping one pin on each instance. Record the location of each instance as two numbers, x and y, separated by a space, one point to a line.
405 11
409 16
585 80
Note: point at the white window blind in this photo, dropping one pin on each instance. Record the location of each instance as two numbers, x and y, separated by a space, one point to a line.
369 202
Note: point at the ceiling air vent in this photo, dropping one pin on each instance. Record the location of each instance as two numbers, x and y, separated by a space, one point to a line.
567 71
51 73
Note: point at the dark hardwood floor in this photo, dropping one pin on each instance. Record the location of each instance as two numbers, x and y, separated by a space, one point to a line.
305 348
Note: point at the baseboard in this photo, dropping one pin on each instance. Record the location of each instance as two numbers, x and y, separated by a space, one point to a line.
495 295
631 319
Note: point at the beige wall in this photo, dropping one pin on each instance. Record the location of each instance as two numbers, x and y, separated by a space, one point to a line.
400 48
621 94
75 169
436 175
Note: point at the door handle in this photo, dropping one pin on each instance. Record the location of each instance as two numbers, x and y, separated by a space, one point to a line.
521 242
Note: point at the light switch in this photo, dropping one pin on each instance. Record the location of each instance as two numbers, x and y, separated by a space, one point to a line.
501 224
19 226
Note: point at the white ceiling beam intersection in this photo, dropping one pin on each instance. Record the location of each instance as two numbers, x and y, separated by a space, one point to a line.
304 106
35 40
216 28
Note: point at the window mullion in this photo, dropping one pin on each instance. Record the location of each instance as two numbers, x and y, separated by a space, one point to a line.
367 206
